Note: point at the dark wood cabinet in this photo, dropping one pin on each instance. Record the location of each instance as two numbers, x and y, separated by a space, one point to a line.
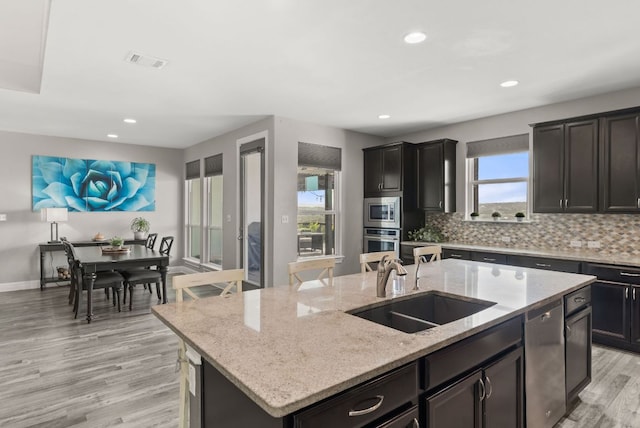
437 175
489 397
620 165
577 353
565 165
389 169
616 305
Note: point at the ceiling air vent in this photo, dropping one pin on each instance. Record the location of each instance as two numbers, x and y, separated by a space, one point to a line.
145 60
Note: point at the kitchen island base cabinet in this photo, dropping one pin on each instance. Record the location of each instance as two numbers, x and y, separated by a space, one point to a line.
490 397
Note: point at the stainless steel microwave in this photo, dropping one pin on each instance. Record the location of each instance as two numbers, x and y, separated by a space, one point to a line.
382 212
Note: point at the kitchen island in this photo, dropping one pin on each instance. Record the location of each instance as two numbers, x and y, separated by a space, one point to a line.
287 348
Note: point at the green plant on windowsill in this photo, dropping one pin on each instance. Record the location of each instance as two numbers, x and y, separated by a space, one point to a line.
426 233
519 216
314 226
474 215
496 215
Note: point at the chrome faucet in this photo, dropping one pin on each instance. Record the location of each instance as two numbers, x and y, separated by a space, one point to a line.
385 267
420 260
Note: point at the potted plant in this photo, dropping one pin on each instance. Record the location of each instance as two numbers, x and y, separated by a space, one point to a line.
496 215
519 216
474 215
116 242
140 227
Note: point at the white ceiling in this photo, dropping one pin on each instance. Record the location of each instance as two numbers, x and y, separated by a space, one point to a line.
333 62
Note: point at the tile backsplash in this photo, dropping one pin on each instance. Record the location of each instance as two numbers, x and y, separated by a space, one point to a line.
616 234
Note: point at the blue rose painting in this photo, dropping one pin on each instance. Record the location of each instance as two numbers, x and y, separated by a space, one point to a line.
93 185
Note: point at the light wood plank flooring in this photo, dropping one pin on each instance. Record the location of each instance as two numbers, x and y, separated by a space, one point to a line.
119 371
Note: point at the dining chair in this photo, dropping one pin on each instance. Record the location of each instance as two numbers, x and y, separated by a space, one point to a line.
182 284
105 280
151 240
326 266
420 254
366 258
132 277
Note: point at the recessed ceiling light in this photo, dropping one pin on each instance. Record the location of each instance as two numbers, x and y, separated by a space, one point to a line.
415 37
112 135
509 83
383 116
130 120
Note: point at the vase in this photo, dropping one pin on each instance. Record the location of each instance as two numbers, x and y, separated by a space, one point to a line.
138 235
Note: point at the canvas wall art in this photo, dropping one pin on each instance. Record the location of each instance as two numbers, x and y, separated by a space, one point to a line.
92 185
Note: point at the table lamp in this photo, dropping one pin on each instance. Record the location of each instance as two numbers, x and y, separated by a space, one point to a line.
53 216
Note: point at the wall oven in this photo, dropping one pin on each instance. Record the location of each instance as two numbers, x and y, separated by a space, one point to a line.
376 240
382 212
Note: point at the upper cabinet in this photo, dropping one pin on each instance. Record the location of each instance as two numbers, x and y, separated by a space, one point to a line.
437 175
620 163
389 169
565 164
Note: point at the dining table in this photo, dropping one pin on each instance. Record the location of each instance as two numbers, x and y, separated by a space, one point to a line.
104 259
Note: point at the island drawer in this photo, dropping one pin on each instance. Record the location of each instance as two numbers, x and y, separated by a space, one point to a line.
456 360
365 403
545 263
626 275
481 256
577 300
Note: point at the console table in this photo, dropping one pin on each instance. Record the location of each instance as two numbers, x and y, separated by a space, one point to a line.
50 247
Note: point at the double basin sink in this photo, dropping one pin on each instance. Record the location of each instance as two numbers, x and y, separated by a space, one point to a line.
423 311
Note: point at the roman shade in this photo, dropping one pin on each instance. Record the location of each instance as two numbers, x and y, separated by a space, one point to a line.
193 169
498 146
213 165
317 156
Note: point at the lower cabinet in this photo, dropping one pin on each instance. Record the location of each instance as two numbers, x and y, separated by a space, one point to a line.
491 396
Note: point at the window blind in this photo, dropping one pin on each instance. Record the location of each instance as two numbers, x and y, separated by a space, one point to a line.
318 156
213 165
498 146
193 169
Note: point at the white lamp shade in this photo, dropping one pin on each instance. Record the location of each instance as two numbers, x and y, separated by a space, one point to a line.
54 214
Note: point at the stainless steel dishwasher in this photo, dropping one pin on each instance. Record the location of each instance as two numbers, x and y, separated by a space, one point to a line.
544 363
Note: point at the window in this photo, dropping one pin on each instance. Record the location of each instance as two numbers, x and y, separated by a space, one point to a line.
203 238
213 182
318 184
193 193
498 176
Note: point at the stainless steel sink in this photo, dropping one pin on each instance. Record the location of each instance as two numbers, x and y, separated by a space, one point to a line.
423 311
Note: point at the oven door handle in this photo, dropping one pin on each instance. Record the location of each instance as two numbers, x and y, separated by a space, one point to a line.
377 238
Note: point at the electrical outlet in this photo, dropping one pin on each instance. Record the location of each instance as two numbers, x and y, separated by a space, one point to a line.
593 244
228 218
506 239
576 244
3 217
285 219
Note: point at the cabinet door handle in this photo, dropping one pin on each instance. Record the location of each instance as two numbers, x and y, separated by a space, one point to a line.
629 274
579 299
560 203
440 204
634 294
568 331
626 293
545 316
487 259
638 203
566 203
542 265
368 409
483 391
489 386
416 424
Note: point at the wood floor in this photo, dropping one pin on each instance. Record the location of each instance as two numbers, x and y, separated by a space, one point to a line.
58 372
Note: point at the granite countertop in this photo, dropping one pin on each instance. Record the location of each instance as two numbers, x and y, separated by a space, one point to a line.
581 255
288 347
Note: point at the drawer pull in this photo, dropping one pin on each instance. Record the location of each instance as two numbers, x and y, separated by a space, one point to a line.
545 316
456 256
487 259
542 265
579 299
369 409
635 275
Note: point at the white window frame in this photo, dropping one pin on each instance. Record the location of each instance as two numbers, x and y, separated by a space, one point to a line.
472 182
336 212
205 239
187 222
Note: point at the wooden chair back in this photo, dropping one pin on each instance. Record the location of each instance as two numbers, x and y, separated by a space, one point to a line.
151 240
183 283
366 258
435 251
165 245
324 265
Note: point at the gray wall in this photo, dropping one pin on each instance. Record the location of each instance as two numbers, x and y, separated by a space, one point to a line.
517 123
281 184
23 230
